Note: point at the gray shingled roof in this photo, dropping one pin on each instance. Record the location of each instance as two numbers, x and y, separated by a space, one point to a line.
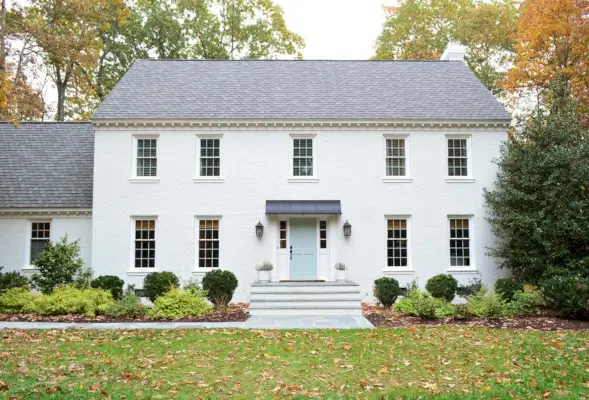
221 89
46 165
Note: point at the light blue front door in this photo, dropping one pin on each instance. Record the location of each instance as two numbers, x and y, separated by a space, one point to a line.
303 241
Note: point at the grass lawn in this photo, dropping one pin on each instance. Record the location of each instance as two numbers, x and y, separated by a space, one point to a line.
435 362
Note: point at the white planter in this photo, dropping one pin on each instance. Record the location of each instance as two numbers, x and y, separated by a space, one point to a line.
340 275
264 276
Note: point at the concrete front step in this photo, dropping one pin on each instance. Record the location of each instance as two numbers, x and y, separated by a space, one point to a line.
307 312
306 304
303 296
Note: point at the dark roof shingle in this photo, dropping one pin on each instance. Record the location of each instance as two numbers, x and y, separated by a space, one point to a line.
321 90
46 165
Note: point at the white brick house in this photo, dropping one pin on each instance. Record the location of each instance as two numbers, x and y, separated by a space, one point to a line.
189 156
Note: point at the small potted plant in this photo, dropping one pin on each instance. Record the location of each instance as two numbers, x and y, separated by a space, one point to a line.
340 271
264 271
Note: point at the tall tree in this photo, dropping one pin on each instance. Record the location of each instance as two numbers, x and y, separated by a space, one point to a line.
421 29
552 41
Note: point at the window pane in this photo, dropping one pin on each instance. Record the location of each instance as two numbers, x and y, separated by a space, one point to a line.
395 157
459 242
457 157
208 243
302 157
397 243
144 243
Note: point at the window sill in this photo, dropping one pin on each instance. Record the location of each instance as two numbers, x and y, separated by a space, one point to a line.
200 272
144 180
465 179
398 271
30 269
392 179
141 271
303 179
213 179
462 270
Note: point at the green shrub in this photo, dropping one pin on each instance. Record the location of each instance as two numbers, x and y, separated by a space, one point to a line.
488 304
526 303
114 284
179 303
474 285
409 287
220 286
386 291
83 279
462 311
156 284
193 285
567 296
421 304
507 288
70 300
9 280
128 306
442 287
57 265
17 300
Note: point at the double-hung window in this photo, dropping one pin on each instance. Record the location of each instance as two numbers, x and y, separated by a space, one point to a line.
396 163
458 163
302 161
210 157
460 246
144 256
397 243
146 162
40 236
208 243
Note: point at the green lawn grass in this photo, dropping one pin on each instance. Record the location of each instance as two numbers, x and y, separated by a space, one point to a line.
433 362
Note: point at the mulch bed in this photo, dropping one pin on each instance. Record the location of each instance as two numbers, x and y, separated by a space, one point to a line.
384 318
238 312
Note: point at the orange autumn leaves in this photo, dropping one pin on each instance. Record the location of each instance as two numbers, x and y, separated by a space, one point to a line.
552 41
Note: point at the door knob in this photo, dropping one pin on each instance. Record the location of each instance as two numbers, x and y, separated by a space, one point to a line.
291 252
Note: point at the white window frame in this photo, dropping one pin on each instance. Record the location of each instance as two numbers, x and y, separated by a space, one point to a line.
198 178
27 262
201 271
303 179
388 271
145 179
397 179
469 157
134 271
471 243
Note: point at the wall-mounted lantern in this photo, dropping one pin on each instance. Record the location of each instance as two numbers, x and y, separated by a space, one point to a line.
347 229
259 229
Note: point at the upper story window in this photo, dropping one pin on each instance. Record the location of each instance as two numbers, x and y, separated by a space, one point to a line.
460 235
396 157
302 162
397 242
40 236
146 157
144 243
210 157
458 157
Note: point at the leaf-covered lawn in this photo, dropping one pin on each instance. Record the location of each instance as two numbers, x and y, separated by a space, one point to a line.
439 362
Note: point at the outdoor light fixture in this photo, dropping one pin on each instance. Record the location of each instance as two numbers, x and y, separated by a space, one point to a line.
347 229
259 229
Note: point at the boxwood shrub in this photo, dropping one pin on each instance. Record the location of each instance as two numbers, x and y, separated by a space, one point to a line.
507 288
220 286
114 284
442 287
156 284
386 290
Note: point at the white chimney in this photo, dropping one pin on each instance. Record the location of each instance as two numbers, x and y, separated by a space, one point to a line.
454 52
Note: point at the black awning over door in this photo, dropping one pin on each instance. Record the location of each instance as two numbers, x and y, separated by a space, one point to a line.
303 207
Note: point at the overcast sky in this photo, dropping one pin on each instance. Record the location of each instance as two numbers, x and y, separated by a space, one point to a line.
336 29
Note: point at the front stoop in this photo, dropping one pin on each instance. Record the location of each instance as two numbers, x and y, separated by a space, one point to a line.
306 298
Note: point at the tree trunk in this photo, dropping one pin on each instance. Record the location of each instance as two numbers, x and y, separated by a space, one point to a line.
3 39
60 101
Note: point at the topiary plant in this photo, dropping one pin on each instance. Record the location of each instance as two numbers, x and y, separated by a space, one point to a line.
220 286
9 280
507 288
386 291
156 284
109 282
442 287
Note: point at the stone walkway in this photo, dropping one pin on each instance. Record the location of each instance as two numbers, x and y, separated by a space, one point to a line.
254 322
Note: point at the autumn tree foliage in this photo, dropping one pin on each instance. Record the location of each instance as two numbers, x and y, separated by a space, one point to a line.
421 29
552 42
